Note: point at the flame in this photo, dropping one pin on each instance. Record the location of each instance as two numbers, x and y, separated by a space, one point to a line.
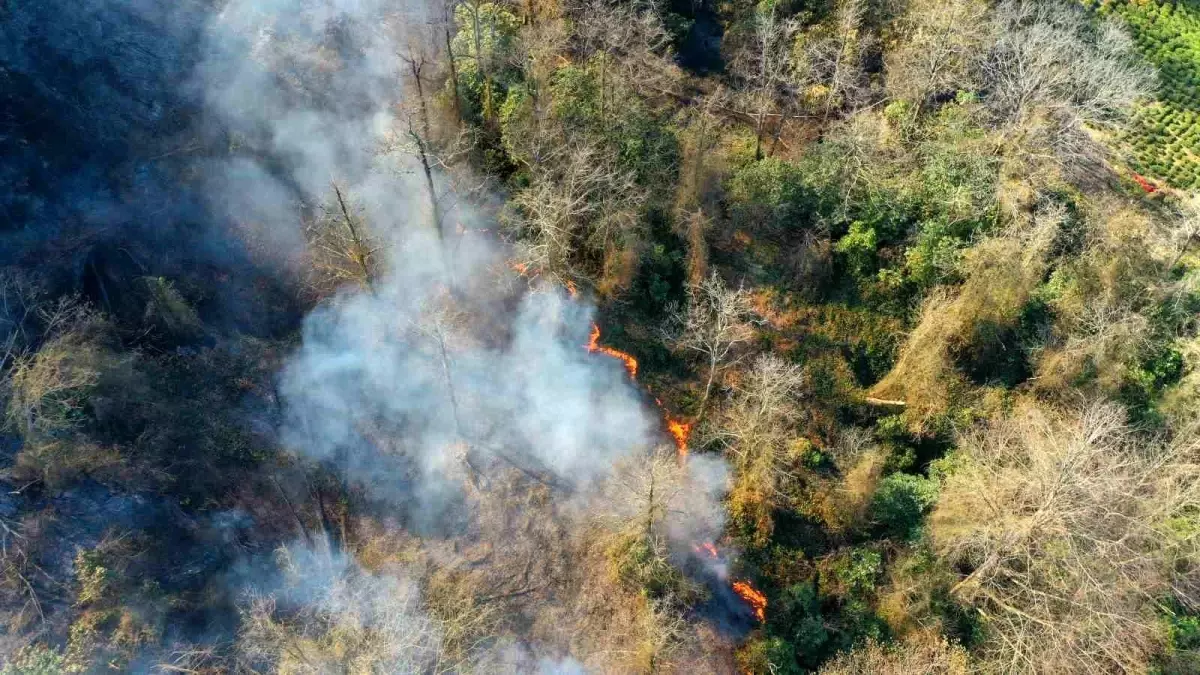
680 431
572 290
520 268
593 346
753 597
1147 186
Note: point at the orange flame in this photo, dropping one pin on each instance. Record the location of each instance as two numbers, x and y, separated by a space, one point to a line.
680 431
753 597
707 548
1147 186
572 290
593 346
520 268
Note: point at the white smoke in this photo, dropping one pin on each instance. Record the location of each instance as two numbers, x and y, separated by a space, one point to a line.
447 367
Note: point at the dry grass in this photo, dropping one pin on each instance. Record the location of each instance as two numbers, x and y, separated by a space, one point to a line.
1001 275
1072 529
926 653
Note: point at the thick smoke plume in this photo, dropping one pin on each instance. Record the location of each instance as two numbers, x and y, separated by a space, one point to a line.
315 88
448 366
402 385
244 115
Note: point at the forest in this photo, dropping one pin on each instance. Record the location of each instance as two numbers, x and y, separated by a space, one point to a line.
600 336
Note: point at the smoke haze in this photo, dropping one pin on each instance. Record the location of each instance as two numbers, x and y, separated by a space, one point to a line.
210 132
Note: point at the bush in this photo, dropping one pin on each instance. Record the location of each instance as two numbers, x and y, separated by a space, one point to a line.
858 247
858 572
900 504
35 660
798 618
638 566
768 655
771 192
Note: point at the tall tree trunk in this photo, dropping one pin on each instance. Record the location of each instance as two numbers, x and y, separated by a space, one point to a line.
1182 252
361 250
712 374
758 131
435 216
650 508
453 77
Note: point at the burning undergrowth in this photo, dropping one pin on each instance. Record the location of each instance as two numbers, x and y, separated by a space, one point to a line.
734 604
457 437
453 402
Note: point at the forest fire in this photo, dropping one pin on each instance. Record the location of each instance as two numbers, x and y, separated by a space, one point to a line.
1146 185
753 597
679 431
594 347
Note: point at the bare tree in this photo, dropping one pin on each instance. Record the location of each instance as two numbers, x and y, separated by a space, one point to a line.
1063 524
441 323
631 47
342 248
830 58
922 653
47 390
1049 74
641 495
940 51
715 320
335 617
755 426
1186 228
420 133
764 68
755 430
579 210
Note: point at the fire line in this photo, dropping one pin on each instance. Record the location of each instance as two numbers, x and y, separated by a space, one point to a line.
753 597
680 431
594 347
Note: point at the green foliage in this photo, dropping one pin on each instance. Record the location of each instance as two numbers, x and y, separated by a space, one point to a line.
771 193
768 655
92 575
587 101
859 571
865 339
576 95
910 205
934 256
483 46
1159 363
797 617
900 503
661 275
1165 135
641 567
998 351
858 247
858 622
35 660
1181 630
169 313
